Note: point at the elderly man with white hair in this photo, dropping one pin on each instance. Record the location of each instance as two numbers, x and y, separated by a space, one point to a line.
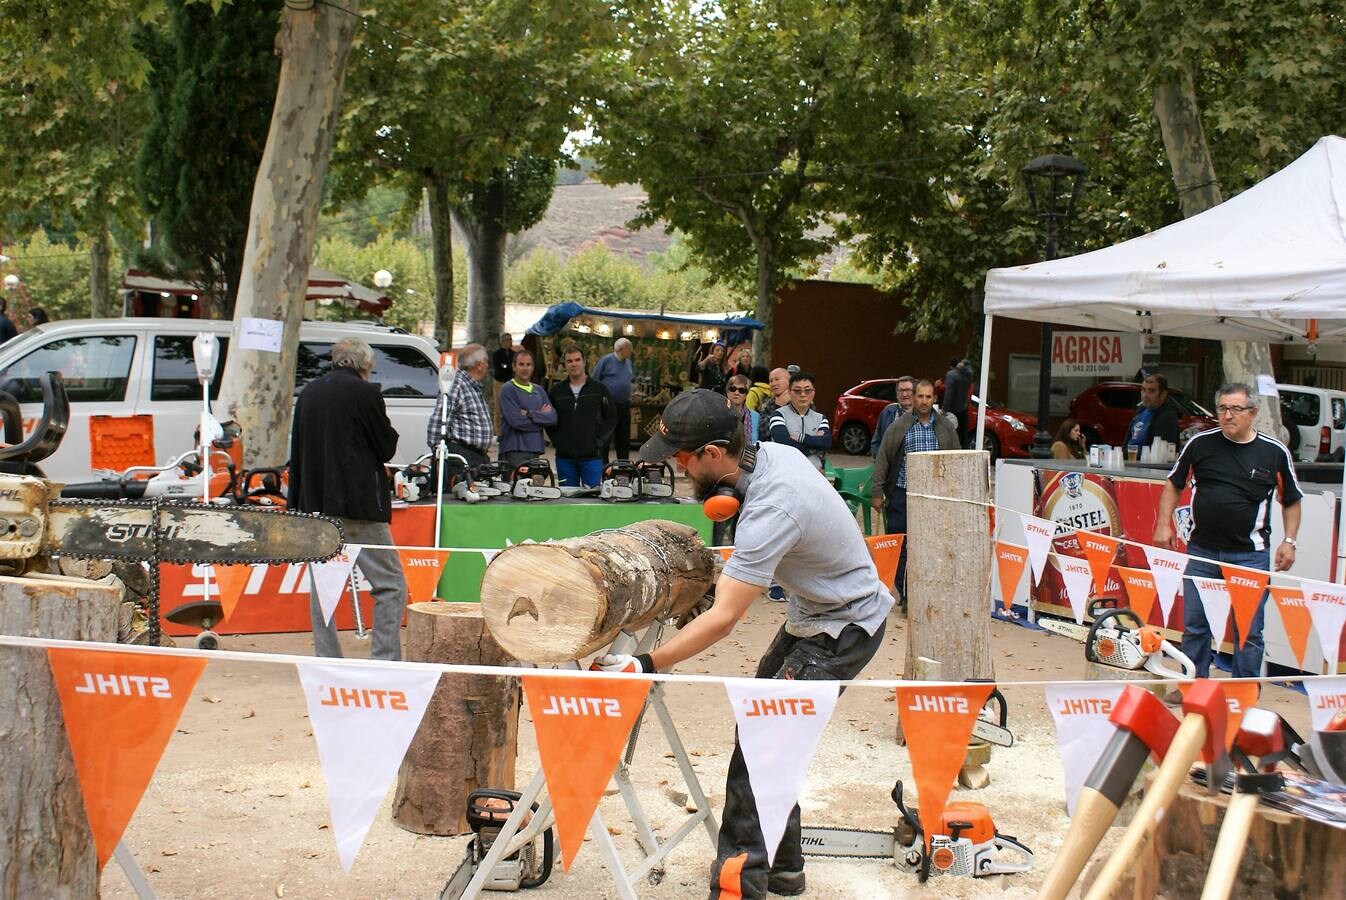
469 427
614 372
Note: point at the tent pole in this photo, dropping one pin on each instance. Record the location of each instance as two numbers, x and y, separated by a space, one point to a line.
985 380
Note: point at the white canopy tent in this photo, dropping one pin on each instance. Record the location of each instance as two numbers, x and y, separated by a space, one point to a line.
1266 265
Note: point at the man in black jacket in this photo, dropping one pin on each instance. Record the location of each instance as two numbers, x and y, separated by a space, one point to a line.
340 442
1159 415
585 418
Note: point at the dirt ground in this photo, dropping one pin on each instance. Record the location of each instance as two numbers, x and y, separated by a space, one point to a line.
238 806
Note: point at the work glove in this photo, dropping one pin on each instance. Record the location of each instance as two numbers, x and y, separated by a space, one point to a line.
620 662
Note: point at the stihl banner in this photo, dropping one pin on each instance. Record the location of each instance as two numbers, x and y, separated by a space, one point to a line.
937 723
1082 728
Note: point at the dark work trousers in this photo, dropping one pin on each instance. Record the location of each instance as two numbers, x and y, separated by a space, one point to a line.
621 435
895 522
961 417
740 868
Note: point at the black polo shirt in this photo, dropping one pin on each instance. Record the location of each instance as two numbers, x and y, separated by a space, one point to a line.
1232 486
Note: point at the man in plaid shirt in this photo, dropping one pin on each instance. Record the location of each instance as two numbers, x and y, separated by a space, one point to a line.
469 415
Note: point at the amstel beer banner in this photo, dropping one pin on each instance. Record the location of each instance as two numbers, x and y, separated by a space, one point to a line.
937 723
330 578
1081 712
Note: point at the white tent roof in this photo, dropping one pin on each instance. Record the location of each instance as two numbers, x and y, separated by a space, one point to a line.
1258 266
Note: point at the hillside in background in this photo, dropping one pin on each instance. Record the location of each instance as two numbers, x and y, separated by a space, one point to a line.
590 213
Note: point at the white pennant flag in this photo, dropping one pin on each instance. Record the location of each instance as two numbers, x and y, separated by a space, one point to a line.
1327 697
489 555
331 578
363 719
779 724
1215 601
1327 608
1079 579
1166 567
1082 728
1039 534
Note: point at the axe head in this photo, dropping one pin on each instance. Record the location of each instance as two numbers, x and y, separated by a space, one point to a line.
1206 699
1141 713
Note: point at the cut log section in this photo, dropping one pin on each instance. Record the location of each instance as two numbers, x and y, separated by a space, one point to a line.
562 600
468 738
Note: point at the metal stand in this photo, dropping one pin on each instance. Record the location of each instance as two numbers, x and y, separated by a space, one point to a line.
511 838
355 602
134 875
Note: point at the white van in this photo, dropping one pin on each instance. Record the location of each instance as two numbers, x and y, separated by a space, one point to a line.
120 368
1316 421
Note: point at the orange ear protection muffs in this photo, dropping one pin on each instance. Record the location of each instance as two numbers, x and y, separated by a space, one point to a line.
723 501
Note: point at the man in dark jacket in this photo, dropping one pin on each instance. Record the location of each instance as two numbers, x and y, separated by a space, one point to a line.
585 418
1159 415
340 442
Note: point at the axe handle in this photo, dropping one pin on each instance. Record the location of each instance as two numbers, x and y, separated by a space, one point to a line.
1224 862
1182 752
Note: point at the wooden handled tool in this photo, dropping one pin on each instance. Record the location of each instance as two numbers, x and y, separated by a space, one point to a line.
1259 736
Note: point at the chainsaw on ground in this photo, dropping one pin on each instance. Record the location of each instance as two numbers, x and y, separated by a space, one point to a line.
621 481
965 843
656 479
534 480
1119 638
527 867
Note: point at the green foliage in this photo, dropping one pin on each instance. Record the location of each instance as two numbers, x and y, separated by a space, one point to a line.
55 276
383 209
413 287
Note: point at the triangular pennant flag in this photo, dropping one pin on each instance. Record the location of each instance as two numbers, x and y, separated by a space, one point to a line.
1082 728
1240 696
1010 560
1327 607
1099 550
581 727
886 550
725 552
120 709
1246 587
422 568
363 720
1140 590
1039 534
1327 697
1078 579
779 724
489 555
1167 567
937 723
331 578
230 581
1215 601
1295 618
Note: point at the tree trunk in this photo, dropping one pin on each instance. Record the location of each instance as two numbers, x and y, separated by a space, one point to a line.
469 736
441 239
485 266
948 575
1179 115
46 848
767 279
100 278
563 600
258 387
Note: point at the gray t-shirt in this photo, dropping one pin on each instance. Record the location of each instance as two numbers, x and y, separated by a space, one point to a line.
795 528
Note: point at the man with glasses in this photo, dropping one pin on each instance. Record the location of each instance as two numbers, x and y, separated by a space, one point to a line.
800 425
906 395
1235 470
792 527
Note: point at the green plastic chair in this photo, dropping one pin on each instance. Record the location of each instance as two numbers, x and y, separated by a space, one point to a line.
853 486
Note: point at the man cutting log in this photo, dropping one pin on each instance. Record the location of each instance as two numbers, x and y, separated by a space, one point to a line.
795 529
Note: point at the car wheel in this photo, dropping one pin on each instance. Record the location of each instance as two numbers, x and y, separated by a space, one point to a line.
855 439
989 442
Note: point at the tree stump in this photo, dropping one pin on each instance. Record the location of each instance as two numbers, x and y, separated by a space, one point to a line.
46 848
469 736
562 600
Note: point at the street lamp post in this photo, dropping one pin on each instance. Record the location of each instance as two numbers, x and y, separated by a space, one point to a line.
1046 180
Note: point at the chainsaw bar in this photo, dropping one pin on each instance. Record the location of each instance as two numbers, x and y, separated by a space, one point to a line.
188 533
848 843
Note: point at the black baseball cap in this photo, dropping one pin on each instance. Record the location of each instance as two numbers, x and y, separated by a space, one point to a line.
691 421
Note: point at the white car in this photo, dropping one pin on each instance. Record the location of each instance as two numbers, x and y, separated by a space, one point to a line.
1315 419
117 369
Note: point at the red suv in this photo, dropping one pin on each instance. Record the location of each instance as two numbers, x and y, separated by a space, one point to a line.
1106 409
1008 434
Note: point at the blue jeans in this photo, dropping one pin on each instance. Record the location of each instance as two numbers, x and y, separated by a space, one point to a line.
1196 634
579 472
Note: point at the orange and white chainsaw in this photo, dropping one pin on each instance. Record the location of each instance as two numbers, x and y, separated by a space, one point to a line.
1120 639
965 843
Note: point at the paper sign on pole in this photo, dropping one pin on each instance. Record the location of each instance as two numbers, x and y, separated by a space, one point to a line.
1327 697
937 722
1140 590
230 581
261 334
422 568
1167 567
120 709
1246 587
1082 728
1295 618
1039 533
1327 607
886 550
331 578
581 726
1215 603
1099 550
1010 560
779 724
363 720
1078 578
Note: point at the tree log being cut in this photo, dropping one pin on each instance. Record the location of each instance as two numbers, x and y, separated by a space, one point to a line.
563 600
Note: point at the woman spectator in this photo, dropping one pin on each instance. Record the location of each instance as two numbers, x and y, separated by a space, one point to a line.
524 411
711 370
737 391
1069 442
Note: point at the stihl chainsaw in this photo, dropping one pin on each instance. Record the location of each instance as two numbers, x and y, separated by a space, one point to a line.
991 721
965 843
527 866
1120 639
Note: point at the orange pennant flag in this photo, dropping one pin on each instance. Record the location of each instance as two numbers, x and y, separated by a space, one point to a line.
725 552
1099 550
422 568
1241 696
120 709
1246 587
1141 593
937 723
1295 618
229 582
581 726
1010 560
886 550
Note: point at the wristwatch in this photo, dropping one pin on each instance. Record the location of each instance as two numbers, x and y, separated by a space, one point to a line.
1291 541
